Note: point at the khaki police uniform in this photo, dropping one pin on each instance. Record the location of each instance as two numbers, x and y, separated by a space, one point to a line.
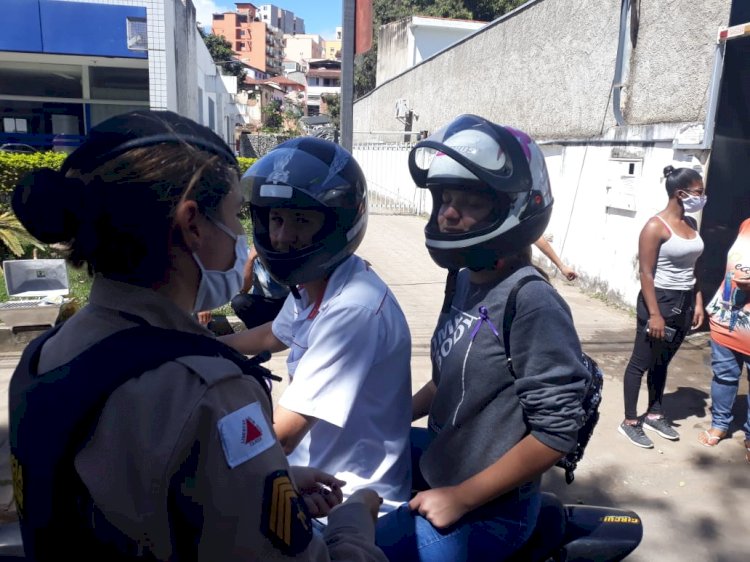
196 426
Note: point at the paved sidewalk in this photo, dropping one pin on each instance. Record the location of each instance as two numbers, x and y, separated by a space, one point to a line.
693 500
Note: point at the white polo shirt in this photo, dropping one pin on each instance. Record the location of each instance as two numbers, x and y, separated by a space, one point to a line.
349 367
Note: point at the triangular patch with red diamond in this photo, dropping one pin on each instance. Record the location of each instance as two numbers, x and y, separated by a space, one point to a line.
251 433
245 433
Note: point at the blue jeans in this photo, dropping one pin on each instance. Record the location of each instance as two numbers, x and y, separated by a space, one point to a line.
491 532
726 365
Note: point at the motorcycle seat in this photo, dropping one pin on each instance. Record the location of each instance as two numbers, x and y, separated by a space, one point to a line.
548 533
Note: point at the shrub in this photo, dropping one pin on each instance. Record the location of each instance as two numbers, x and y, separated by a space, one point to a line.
245 163
14 240
13 166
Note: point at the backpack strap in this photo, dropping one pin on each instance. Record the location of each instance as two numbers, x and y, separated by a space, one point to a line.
54 414
510 313
450 290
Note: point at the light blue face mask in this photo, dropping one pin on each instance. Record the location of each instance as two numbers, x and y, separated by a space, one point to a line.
217 288
694 203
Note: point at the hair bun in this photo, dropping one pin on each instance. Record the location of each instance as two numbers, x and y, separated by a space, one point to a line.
48 205
668 170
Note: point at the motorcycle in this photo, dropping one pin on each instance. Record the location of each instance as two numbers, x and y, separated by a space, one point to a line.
563 533
580 533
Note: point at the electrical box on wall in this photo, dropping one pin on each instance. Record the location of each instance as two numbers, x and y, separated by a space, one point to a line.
623 177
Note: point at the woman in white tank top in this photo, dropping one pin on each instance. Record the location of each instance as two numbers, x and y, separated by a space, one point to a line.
669 303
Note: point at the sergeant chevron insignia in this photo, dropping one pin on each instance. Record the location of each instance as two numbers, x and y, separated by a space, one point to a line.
285 519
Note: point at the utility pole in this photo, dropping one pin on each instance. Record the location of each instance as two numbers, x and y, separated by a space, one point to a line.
346 114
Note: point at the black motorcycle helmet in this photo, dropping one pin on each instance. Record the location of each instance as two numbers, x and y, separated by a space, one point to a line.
472 153
308 173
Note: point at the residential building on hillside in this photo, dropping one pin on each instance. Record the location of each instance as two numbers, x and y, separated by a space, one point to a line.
303 47
291 66
332 47
253 41
291 94
285 20
323 77
124 55
260 94
408 41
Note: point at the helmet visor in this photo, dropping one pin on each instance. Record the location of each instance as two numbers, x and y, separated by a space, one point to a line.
470 150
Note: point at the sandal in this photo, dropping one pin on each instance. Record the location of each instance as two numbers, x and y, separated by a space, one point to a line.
708 439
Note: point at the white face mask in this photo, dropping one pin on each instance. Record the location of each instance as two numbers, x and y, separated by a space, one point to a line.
694 203
217 288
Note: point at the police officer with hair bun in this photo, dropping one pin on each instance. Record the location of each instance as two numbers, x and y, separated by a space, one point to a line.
134 433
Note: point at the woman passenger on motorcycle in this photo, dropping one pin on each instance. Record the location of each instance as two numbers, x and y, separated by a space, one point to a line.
182 463
490 435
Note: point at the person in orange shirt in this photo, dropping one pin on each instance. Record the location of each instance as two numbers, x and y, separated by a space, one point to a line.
729 320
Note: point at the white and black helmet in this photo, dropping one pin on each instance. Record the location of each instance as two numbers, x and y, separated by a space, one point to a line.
308 173
471 153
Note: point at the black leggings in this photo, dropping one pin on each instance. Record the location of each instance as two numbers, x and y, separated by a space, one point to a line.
655 355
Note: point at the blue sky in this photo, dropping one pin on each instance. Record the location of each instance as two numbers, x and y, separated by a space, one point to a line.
321 16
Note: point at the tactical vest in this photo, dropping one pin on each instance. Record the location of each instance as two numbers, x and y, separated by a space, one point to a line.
53 415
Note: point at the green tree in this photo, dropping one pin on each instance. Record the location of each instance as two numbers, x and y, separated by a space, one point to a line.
222 54
272 115
333 102
292 112
387 11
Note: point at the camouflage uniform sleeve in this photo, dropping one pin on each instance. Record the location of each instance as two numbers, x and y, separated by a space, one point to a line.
233 476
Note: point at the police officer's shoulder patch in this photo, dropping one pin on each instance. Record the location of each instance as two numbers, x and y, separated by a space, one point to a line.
285 519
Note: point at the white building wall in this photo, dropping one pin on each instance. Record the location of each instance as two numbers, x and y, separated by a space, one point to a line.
302 48
393 50
430 36
600 209
218 94
205 78
409 41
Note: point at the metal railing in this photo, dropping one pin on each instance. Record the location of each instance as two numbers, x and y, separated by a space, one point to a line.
383 157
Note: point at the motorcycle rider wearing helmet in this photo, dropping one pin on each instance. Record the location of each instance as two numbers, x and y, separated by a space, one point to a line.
490 436
180 462
347 407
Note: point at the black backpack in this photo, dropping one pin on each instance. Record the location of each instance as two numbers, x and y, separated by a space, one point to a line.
591 400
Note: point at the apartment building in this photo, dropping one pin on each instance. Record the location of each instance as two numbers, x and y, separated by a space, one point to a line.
285 20
323 77
332 47
255 40
303 47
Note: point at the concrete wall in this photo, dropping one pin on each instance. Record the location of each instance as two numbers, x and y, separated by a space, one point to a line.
393 50
548 68
671 62
407 42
